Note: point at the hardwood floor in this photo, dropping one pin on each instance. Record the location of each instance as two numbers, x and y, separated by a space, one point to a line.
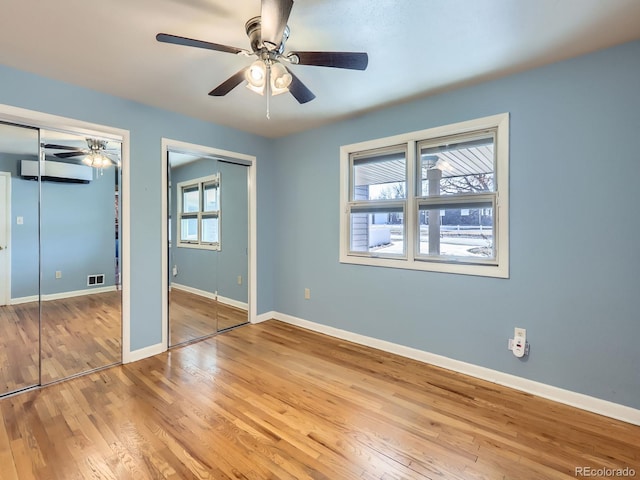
84 333
275 401
19 348
194 316
78 334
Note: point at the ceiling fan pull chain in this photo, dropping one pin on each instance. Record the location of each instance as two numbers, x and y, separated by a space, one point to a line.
268 90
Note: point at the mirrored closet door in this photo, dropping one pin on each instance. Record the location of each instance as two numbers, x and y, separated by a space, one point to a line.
19 261
208 245
60 309
79 233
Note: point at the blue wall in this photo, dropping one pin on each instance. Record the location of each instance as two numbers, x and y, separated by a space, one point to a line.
78 233
575 261
574 256
147 126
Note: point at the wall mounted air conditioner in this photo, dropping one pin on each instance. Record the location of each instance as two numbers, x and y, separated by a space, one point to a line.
56 171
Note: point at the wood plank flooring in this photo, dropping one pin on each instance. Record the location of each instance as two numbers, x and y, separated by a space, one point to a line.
78 334
84 333
272 401
194 316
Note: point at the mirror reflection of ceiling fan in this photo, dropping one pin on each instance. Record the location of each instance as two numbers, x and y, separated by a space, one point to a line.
268 74
95 155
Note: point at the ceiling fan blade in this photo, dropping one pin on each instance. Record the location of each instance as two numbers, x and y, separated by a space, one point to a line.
350 60
229 84
77 153
59 147
274 18
190 42
299 90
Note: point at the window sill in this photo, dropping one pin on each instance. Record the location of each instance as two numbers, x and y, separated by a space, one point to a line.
501 270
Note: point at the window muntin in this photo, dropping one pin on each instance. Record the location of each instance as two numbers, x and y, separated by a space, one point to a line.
457 181
199 212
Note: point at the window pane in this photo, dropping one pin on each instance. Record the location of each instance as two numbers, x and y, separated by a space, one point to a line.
190 199
210 229
380 176
379 231
189 229
462 167
452 231
210 197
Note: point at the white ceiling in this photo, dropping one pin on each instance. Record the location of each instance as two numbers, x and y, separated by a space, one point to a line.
415 47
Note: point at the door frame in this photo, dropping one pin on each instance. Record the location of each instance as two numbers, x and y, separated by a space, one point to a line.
32 118
179 146
5 273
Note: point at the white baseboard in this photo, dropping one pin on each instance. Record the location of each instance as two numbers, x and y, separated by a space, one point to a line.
567 397
145 352
263 317
63 295
19 300
210 295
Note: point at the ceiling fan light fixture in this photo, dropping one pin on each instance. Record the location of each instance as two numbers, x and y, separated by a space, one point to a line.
280 79
97 160
256 76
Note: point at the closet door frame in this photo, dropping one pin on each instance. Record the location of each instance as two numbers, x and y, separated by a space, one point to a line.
179 146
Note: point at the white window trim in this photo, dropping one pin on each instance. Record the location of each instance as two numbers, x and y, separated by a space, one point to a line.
200 183
500 266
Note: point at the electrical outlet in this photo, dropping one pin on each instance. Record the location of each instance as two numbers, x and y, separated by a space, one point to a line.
20 220
58 274
307 294
239 279
520 332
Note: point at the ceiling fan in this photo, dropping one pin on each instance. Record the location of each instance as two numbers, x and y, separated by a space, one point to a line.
268 34
95 155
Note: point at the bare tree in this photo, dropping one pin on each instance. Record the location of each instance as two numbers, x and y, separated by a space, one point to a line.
392 191
479 182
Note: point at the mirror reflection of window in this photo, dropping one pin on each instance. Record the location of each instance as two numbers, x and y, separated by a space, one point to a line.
210 229
190 199
211 196
189 229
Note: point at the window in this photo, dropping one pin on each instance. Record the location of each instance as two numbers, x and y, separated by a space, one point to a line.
432 200
199 213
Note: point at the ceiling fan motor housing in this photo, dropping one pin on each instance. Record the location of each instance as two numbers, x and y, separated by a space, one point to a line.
254 31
